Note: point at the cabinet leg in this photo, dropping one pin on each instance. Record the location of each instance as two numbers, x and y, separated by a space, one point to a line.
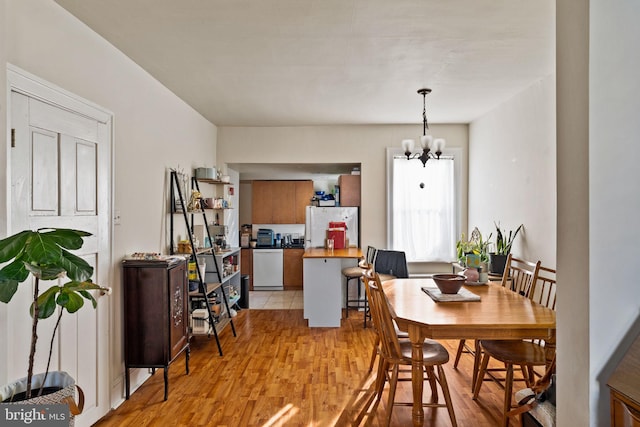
166 382
187 358
126 382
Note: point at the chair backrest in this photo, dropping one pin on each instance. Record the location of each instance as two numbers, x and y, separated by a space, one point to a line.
382 319
371 255
370 258
520 275
368 277
544 290
393 263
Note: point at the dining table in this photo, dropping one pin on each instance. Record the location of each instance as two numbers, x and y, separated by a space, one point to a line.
498 314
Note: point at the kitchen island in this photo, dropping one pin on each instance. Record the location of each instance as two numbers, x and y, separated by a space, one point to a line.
322 284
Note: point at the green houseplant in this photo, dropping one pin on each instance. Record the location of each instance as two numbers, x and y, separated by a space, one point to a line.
504 242
476 245
45 255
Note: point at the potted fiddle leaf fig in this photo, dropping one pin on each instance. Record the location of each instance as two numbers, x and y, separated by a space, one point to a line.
45 255
504 241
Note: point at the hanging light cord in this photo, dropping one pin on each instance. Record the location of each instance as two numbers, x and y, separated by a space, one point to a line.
425 125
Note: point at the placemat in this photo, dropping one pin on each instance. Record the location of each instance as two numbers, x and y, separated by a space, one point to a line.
463 295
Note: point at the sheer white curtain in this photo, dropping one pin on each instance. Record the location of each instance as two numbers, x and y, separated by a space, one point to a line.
423 217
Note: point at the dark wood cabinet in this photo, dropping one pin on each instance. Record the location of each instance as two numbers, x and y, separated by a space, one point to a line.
155 314
293 269
349 190
624 386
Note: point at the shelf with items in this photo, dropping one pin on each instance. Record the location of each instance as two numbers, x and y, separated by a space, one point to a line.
212 181
230 276
209 293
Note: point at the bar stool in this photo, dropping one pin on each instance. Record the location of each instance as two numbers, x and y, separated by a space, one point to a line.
356 273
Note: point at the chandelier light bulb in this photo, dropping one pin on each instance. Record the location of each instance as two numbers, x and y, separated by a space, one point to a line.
426 141
407 145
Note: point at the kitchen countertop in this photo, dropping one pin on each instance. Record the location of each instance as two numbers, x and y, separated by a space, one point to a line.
336 253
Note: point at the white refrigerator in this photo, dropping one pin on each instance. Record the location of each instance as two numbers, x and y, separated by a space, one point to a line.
317 221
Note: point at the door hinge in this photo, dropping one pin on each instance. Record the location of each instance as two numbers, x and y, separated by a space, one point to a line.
13 138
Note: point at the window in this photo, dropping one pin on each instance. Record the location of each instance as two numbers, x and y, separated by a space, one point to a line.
423 217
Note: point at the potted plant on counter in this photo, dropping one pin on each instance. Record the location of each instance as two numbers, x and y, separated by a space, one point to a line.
45 255
504 241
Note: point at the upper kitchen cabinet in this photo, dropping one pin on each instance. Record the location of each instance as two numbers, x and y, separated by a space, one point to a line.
349 190
280 202
304 193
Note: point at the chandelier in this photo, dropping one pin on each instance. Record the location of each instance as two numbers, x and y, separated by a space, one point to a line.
431 148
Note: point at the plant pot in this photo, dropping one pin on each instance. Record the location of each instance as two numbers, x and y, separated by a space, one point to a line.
497 263
59 388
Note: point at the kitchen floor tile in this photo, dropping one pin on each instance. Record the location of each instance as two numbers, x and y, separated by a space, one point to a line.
275 300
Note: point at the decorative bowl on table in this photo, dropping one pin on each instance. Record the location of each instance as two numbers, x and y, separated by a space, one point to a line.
449 283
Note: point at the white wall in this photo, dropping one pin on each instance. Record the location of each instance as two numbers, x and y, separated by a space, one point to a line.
339 144
153 129
512 171
614 200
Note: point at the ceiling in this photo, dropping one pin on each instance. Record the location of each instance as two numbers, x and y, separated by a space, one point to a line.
325 62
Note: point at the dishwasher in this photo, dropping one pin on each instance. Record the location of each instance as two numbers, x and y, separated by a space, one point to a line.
267 269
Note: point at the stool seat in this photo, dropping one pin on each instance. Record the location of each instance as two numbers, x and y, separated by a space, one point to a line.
351 272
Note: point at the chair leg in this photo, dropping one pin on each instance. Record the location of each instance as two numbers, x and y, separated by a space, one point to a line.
374 353
381 377
476 363
447 395
532 376
481 372
392 392
508 387
346 296
458 353
431 376
364 314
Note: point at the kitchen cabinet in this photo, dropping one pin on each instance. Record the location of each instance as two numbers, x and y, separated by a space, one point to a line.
624 386
304 193
280 202
155 314
349 190
246 265
293 269
283 196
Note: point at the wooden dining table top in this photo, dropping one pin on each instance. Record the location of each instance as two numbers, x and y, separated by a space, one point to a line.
500 313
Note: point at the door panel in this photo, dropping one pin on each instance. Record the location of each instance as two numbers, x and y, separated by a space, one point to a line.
61 178
44 172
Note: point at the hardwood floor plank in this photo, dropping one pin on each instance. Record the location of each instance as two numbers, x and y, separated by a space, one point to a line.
279 372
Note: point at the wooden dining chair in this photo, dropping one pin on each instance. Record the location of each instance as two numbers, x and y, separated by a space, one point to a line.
528 354
369 275
518 276
396 353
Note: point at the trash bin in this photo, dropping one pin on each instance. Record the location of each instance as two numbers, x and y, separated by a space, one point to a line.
244 291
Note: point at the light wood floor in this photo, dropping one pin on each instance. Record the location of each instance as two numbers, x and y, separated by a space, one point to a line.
279 372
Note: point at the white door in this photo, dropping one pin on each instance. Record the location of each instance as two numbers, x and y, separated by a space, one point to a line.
60 177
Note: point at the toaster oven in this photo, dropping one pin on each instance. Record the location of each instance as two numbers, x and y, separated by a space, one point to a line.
265 238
